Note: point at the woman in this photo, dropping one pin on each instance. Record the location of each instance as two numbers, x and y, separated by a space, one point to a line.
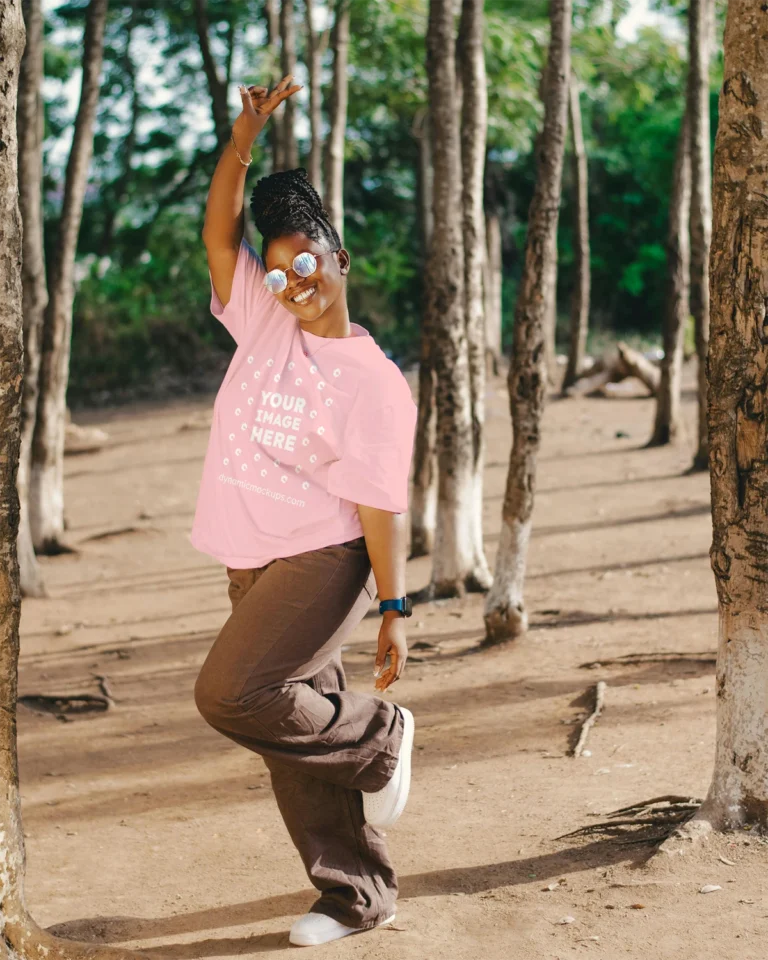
303 498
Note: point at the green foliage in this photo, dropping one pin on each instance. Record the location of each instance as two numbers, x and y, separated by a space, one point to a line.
142 304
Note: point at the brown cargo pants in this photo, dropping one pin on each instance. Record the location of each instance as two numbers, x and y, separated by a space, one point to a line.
273 682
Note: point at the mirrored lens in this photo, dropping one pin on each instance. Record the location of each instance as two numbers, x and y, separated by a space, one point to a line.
275 281
305 264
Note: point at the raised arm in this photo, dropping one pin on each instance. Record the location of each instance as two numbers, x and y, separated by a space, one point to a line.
223 227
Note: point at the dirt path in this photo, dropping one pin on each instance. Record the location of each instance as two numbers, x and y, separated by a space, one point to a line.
145 827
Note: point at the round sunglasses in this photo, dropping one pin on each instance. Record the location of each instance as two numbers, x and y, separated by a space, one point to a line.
304 265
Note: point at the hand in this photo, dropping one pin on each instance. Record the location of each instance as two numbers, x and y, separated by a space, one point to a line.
259 103
391 641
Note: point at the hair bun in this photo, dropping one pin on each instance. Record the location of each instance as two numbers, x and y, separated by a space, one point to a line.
285 203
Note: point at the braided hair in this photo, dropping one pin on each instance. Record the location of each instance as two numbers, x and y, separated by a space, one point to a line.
285 203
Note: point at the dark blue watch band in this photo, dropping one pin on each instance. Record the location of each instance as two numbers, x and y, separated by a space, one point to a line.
402 604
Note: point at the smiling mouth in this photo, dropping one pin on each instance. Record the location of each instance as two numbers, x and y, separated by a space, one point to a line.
305 296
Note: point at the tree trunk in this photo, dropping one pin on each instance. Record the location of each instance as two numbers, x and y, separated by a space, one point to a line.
668 424
424 490
492 271
333 195
505 613
454 554
474 129
46 501
20 937
701 201
29 123
549 283
581 292
315 165
217 87
117 192
288 66
738 427
275 125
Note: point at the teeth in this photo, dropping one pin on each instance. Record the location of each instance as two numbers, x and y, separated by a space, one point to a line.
304 296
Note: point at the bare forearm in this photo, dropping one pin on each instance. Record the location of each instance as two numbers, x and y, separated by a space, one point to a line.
223 228
385 538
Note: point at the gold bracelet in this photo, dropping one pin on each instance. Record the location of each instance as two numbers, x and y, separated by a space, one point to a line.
250 161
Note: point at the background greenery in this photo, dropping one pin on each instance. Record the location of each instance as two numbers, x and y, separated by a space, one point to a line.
141 312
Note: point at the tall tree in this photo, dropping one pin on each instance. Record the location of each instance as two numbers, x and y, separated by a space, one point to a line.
738 426
423 511
288 66
275 129
700 29
217 85
668 424
116 194
505 612
492 270
474 130
46 501
29 123
22 938
581 291
333 194
314 64
454 557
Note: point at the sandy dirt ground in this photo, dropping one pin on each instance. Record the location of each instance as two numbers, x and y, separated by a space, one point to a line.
147 829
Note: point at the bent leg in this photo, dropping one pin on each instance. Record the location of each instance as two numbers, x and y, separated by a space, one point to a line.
256 686
345 858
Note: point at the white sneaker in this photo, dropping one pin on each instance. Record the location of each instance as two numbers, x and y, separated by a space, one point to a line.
383 807
315 928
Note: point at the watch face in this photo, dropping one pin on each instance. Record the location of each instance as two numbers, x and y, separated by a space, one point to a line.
408 607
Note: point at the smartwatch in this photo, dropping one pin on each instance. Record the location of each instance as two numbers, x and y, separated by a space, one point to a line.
402 604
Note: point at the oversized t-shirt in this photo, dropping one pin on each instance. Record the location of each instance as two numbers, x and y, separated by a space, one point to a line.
304 429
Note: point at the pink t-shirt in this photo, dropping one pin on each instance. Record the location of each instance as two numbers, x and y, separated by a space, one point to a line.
304 429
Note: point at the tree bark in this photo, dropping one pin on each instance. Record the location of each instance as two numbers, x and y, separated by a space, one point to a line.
474 130
20 937
701 201
46 500
217 87
315 164
29 123
505 613
454 555
738 427
668 424
288 66
424 489
581 292
492 271
333 195
275 125
117 192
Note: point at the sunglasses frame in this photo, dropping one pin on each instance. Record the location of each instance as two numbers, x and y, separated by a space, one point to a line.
292 267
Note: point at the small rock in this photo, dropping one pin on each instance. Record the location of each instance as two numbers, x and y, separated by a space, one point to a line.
710 888
567 920
730 863
637 906
586 753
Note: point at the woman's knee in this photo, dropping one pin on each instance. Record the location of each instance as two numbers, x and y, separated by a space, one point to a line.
212 699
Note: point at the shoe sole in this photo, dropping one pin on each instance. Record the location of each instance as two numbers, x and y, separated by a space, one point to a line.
406 749
319 943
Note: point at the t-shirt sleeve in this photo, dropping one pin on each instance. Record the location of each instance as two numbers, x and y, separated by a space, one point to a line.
249 296
377 446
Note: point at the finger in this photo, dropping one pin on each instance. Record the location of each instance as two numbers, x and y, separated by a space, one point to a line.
385 680
381 659
258 91
246 98
288 93
285 82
